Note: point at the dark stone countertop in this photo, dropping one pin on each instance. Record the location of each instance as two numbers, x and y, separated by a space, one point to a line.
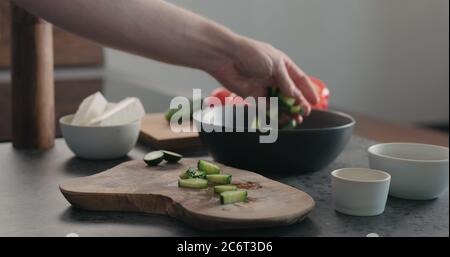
32 205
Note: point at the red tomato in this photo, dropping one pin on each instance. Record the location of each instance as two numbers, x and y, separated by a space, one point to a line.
223 93
324 94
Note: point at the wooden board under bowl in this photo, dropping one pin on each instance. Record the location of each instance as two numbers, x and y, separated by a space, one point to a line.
133 186
155 131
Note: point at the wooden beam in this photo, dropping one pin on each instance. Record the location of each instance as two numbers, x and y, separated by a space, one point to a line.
33 102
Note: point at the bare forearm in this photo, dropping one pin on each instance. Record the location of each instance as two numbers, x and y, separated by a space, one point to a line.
162 31
151 28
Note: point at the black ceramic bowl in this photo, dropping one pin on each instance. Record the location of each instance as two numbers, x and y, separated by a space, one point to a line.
311 147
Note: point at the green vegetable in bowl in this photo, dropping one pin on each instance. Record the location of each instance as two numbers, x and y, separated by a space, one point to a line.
287 107
290 125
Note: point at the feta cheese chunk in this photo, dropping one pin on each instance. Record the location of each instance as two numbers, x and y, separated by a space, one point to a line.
126 111
109 106
90 108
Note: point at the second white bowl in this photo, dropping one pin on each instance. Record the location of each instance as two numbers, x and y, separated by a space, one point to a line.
419 171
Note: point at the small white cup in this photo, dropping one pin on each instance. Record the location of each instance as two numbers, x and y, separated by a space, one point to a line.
419 171
360 191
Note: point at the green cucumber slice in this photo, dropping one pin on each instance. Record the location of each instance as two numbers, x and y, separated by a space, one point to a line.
196 183
171 157
291 124
296 110
207 167
223 188
184 175
255 123
233 196
286 100
193 173
154 158
219 178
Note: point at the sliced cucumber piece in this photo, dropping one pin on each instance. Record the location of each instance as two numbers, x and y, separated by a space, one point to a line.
196 183
154 158
223 188
233 196
184 175
286 100
296 110
193 173
290 125
171 157
219 178
207 167
198 174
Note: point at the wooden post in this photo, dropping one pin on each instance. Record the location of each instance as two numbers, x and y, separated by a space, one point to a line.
33 101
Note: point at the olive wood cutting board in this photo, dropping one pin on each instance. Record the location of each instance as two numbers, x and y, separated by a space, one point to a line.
133 186
155 130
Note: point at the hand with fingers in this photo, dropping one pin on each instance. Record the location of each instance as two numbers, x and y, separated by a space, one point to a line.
255 66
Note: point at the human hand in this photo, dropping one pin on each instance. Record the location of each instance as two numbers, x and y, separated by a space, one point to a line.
255 66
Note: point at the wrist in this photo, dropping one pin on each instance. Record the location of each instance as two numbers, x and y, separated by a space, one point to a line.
222 47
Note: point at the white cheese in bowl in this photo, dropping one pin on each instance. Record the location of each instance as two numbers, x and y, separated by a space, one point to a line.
90 108
109 106
126 111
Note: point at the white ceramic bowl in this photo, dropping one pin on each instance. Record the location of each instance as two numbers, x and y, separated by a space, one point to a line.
99 143
360 191
419 171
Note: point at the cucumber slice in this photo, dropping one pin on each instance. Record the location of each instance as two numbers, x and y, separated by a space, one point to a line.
219 178
287 101
290 125
207 167
196 183
194 173
171 157
296 110
233 196
184 175
154 158
223 188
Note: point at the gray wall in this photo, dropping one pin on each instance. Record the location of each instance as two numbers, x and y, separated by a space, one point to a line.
386 58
